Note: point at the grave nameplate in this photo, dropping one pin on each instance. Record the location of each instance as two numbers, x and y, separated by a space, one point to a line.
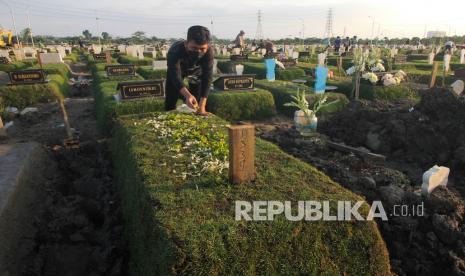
289 63
239 58
400 59
460 73
4 60
120 70
30 76
100 56
304 54
141 89
235 82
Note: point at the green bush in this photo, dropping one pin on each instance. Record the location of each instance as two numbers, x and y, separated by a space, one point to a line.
22 96
283 91
242 105
18 65
179 224
60 69
73 57
378 92
149 74
107 109
259 70
124 59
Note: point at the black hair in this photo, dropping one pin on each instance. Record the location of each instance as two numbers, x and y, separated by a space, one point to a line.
198 34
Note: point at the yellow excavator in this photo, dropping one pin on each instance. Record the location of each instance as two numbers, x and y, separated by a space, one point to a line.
6 38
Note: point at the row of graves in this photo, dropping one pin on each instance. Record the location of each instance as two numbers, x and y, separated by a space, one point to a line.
49 55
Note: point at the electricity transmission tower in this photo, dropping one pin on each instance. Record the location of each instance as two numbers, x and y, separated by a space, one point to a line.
259 33
329 25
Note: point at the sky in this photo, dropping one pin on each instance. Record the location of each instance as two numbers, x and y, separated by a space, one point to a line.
280 19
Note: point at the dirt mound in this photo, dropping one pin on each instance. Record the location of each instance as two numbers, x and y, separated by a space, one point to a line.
428 133
427 243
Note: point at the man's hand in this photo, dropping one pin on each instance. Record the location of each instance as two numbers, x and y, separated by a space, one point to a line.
202 111
191 101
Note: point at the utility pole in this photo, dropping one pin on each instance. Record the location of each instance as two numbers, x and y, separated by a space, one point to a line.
372 28
14 22
303 32
259 33
30 29
211 28
98 28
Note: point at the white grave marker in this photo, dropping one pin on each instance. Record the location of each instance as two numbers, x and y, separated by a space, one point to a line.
50 58
159 65
434 177
431 58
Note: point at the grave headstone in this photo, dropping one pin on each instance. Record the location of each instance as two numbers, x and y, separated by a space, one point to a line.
159 65
141 89
235 82
30 76
122 49
236 51
215 66
304 54
140 53
120 70
460 73
61 51
458 87
447 63
50 58
97 49
100 57
224 51
433 178
239 69
241 153
164 53
289 63
400 59
431 58
19 54
462 56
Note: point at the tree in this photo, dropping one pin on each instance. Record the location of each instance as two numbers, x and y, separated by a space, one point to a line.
25 34
87 34
106 36
138 36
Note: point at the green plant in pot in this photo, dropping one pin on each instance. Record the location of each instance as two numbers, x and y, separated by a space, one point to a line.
305 119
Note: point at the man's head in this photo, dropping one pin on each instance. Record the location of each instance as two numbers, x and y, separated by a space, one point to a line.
198 40
241 33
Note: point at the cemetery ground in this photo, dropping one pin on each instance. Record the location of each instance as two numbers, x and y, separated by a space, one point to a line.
123 202
74 224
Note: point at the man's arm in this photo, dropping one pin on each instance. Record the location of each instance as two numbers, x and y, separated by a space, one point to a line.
174 75
174 71
206 79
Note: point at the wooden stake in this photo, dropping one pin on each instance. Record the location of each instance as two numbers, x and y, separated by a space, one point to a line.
241 153
357 86
39 60
108 57
434 73
2 129
339 66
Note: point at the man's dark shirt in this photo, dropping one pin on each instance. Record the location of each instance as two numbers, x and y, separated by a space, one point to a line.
181 66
